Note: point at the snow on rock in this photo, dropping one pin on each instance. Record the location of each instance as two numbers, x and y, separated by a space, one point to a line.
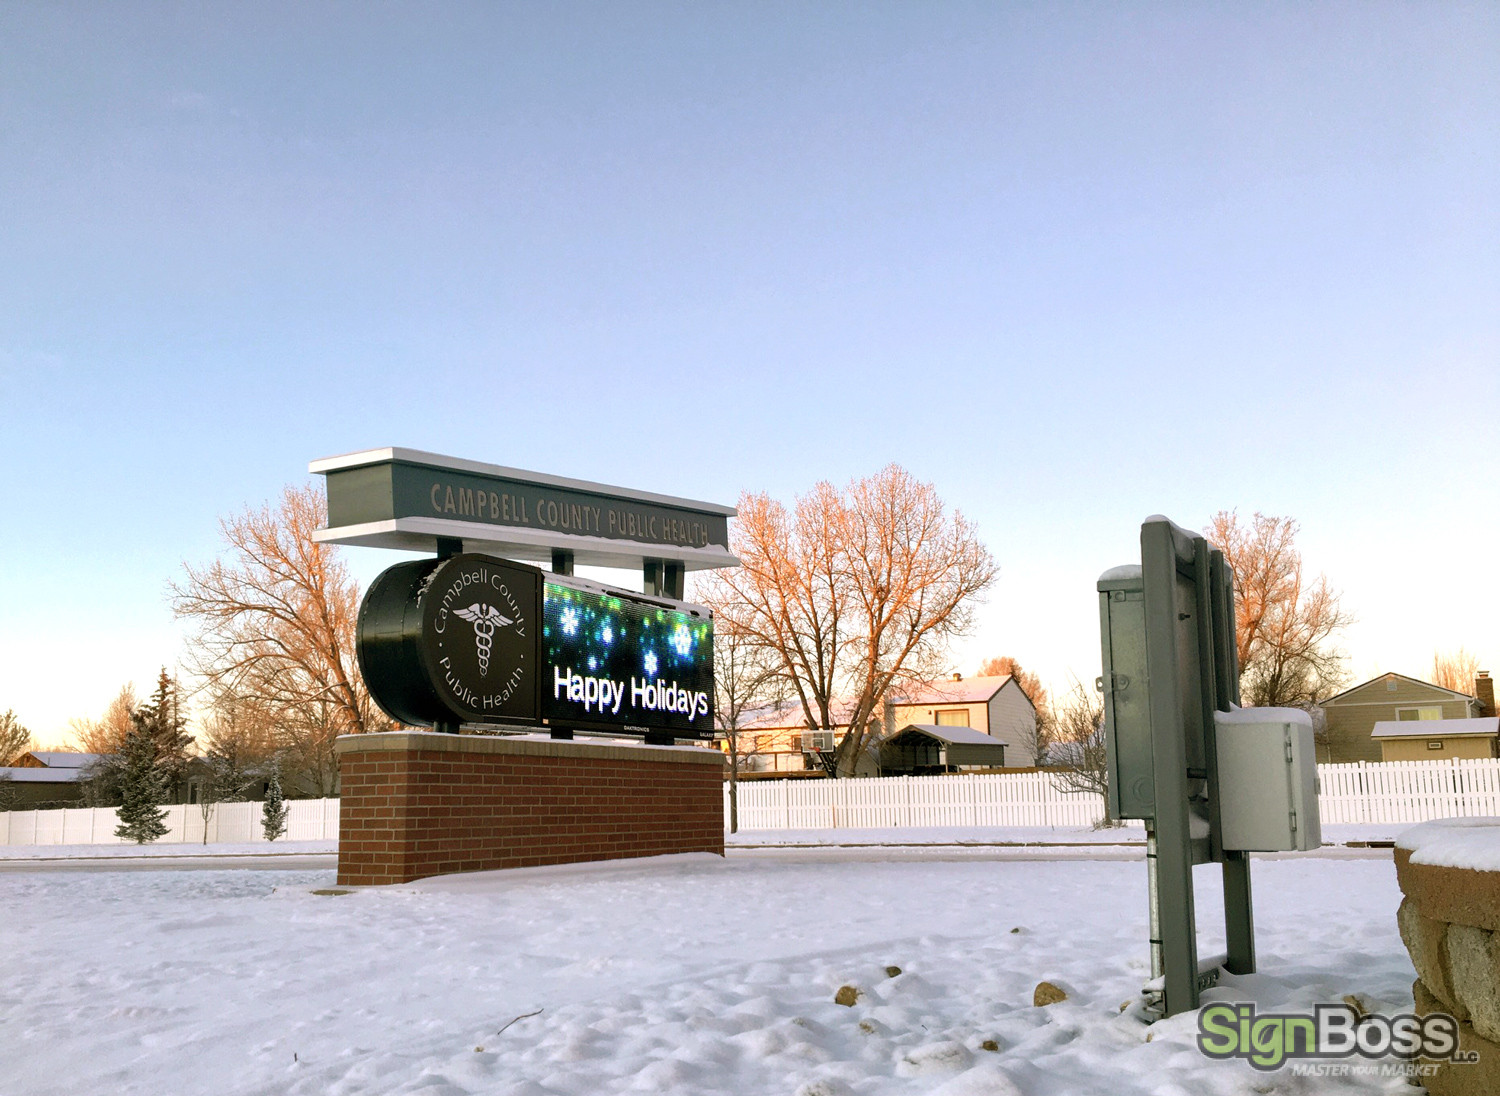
683 976
1454 843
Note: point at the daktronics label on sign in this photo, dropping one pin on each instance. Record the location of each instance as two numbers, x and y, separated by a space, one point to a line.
619 661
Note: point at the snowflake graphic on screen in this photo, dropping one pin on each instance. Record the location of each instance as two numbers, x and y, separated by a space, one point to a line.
682 641
650 663
570 621
608 635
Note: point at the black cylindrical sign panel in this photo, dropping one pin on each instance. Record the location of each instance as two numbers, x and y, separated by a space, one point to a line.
455 640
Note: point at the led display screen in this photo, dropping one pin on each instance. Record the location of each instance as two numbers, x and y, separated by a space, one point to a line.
611 660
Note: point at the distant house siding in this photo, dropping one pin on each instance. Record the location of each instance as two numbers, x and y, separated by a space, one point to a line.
1353 715
977 714
1417 749
1013 721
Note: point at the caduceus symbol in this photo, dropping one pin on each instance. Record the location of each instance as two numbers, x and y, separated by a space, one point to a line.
485 618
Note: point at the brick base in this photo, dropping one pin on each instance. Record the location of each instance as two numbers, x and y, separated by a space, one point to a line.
416 804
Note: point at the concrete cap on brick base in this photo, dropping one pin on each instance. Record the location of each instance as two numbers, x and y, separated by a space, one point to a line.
529 745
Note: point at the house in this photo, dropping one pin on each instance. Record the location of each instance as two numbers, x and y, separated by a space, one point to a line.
1427 739
922 749
777 740
55 778
45 778
1352 715
995 706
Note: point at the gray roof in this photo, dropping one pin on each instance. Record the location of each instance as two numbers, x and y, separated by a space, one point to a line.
42 776
65 759
1436 728
961 736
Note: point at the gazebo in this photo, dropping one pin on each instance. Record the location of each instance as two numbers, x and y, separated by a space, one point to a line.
929 748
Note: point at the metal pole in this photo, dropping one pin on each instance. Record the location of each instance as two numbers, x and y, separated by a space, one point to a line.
1174 863
1156 957
1239 911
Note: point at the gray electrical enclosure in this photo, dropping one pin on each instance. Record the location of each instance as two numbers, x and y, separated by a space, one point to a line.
1127 709
1268 780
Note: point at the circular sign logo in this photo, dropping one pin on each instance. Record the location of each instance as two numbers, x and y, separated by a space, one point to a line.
479 631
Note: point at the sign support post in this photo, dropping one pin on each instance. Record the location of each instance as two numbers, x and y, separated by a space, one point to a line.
1170 675
1171 826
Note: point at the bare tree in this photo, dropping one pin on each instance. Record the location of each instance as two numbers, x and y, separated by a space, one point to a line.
791 595
858 593
15 739
107 734
275 624
1039 738
744 673
225 779
1079 754
1286 625
1455 671
239 728
238 739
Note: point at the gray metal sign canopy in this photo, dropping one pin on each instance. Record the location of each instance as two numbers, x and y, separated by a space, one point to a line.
426 502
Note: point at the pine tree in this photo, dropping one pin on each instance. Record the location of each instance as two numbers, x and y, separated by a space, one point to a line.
273 812
169 736
141 786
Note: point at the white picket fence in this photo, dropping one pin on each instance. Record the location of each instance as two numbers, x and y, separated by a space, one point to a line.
1382 792
1392 792
229 823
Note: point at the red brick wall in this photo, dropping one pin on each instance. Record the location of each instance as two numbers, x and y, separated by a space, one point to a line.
414 804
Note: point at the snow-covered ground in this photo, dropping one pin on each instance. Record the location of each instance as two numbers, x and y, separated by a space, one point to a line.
257 850
1128 835
681 975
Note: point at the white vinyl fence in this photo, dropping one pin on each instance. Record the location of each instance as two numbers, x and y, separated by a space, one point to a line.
1409 791
229 823
991 799
1387 792
1384 792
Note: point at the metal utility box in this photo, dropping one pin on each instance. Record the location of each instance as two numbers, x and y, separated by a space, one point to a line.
1268 780
1127 707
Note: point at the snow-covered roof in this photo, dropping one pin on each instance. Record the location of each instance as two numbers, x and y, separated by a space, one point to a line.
954 736
1436 728
970 690
42 776
65 759
790 717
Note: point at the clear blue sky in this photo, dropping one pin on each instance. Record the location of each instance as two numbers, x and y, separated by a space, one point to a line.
1074 264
